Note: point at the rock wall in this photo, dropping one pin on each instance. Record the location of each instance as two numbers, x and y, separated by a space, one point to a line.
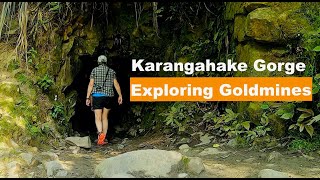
264 30
269 31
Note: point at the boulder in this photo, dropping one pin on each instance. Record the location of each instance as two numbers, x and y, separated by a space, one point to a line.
184 146
183 175
152 162
269 173
278 125
232 143
251 51
262 25
49 155
184 141
75 150
61 173
27 157
205 139
274 155
195 165
52 167
84 142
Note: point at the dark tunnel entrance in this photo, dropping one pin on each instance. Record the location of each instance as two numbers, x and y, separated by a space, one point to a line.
83 120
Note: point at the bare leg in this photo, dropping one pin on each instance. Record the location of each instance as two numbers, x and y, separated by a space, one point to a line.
97 114
105 114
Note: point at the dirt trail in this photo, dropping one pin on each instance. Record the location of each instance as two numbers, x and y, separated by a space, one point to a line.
236 163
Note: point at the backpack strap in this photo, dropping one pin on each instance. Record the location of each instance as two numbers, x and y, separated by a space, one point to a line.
106 77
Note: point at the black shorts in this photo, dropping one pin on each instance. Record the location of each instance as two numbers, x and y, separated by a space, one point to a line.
102 102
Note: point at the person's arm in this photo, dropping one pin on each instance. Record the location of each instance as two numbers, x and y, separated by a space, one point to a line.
117 86
90 87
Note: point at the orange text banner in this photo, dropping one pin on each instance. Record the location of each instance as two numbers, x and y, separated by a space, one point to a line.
154 89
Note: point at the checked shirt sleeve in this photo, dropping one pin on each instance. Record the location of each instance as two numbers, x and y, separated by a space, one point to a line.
93 72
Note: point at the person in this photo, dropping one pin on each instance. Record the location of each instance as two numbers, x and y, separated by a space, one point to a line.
100 94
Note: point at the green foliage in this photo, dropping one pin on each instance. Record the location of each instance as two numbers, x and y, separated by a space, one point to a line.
311 11
196 49
143 118
264 106
229 125
13 65
304 117
286 111
54 6
33 130
45 83
305 121
180 115
296 117
185 161
45 128
21 77
260 130
58 113
244 129
32 54
137 109
304 145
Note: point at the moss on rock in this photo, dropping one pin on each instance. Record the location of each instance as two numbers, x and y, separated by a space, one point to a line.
254 112
278 125
65 76
66 47
250 6
252 51
278 23
234 8
292 24
91 40
239 28
285 6
262 25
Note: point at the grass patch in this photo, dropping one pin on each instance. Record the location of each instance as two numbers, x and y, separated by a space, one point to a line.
305 145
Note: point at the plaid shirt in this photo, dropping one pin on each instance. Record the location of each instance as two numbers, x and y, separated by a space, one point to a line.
99 76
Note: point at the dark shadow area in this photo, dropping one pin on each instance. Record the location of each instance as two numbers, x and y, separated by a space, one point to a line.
83 120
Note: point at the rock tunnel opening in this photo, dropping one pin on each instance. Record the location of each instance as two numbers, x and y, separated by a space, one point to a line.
83 120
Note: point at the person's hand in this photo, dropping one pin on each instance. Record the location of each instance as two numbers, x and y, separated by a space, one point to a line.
88 102
120 100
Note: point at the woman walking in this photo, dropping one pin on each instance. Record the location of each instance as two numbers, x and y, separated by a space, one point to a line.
102 80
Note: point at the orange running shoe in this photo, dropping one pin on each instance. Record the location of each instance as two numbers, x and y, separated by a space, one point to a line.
101 139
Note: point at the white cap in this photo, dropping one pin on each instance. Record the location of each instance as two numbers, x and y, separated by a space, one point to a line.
102 59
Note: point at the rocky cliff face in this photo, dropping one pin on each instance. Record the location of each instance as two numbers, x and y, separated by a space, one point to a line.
266 30
260 30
